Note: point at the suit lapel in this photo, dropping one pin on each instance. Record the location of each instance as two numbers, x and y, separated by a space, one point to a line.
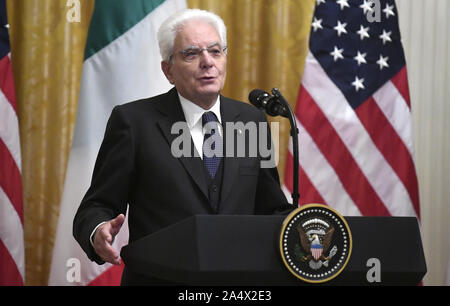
172 111
231 164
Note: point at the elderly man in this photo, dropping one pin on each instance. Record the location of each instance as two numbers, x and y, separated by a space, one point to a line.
136 165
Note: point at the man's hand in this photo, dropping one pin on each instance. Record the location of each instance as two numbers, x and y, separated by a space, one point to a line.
104 237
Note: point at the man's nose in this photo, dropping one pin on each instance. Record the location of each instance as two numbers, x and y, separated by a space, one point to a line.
206 60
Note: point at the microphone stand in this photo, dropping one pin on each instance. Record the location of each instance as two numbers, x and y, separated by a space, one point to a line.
294 134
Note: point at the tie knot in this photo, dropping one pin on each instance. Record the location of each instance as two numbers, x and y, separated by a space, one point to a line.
208 117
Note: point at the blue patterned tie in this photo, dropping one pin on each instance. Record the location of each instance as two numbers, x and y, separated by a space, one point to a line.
211 155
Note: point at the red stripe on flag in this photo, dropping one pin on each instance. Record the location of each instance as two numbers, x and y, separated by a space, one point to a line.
391 146
10 179
308 193
111 277
7 81
400 81
9 275
338 156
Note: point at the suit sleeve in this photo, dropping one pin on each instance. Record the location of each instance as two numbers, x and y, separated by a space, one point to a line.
270 199
107 196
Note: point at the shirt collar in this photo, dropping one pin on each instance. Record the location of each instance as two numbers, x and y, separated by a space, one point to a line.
193 113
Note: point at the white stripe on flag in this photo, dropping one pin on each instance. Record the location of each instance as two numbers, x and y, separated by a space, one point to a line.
322 175
79 172
396 110
342 117
9 129
11 232
287 193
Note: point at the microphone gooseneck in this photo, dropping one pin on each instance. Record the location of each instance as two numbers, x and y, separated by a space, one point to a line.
276 105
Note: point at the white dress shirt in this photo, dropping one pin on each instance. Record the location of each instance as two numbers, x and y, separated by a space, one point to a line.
193 114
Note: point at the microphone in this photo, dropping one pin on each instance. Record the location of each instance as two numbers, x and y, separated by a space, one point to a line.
271 104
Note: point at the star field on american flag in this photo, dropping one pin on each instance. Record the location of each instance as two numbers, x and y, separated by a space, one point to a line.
359 56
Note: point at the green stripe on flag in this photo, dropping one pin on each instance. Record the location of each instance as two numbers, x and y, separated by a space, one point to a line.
112 18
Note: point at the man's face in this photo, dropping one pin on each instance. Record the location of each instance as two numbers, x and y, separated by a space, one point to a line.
198 76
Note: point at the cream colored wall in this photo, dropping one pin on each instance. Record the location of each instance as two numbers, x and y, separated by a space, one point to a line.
425 28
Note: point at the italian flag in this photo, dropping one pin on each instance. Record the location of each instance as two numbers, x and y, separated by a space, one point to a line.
122 64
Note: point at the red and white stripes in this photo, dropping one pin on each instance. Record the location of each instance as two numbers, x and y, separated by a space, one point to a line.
12 252
358 161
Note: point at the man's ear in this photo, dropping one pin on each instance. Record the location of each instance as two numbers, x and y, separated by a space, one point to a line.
166 68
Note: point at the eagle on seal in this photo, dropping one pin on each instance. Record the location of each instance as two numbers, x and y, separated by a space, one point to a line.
314 248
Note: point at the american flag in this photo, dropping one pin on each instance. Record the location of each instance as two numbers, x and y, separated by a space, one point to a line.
354 113
12 253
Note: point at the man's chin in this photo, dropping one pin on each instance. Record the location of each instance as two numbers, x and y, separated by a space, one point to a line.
206 99
209 91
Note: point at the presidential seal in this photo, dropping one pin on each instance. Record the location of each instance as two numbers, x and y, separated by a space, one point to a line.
315 243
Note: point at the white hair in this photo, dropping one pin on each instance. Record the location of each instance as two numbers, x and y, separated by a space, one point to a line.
170 27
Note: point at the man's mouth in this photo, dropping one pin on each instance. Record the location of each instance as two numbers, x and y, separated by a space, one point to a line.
208 80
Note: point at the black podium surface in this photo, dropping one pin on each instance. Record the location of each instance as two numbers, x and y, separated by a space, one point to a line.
244 250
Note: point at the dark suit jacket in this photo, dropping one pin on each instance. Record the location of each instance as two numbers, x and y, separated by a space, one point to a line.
135 166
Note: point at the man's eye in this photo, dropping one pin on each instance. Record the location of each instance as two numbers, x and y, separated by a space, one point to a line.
190 54
214 51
